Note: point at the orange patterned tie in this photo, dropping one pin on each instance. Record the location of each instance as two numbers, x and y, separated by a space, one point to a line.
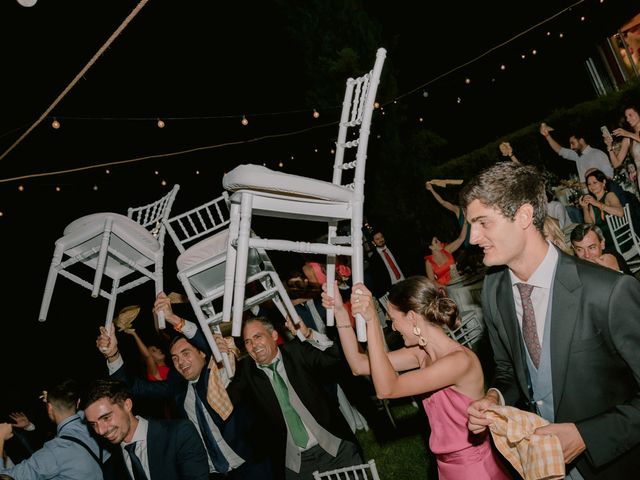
217 395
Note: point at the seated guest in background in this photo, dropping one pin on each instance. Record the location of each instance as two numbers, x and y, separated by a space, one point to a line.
439 264
154 449
600 202
73 453
589 244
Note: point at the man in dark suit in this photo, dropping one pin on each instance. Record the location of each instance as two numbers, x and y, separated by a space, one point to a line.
384 269
313 437
234 448
148 449
564 332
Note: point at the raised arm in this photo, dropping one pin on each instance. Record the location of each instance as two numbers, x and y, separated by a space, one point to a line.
545 131
152 366
457 243
448 205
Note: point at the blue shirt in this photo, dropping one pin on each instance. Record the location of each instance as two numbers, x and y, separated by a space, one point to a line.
61 459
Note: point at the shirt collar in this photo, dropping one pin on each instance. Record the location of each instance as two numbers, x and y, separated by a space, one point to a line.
141 431
542 276
275 359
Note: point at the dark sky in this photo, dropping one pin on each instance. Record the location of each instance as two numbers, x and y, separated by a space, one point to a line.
200 66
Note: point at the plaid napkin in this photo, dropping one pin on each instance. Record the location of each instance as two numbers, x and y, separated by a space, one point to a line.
535 457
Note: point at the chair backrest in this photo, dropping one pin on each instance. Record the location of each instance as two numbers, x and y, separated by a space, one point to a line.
625 239
357 110
471 327
188 227
151 216
365 471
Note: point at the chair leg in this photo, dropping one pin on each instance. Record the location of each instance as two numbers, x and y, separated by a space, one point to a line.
230 266
102 256
112 304
159 281
284 298
331 271
357 265
51 282
242 253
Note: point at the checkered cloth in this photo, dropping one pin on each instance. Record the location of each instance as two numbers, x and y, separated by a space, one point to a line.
535 457
217 395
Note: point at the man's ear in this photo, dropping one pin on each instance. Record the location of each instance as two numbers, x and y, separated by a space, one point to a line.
524 215
275 335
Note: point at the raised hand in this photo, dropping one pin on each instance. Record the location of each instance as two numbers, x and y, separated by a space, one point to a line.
19 419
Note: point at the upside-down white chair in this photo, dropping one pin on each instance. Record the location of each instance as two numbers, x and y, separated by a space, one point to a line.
261 191
365 471
625 240
114 245
471 327
201 237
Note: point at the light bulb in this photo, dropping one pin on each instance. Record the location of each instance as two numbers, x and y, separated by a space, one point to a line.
20 188
376 105
280 164
107 171
58 189
316 114
160 123
163 183
156 172
95 188
244 121
467 81
503 67
55 124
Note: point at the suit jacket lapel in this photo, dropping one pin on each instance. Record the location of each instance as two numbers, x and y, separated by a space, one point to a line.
567 288
507 312
152 451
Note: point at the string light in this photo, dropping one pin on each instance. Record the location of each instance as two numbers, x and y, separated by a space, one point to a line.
376 105
425 94
316 114
58 189
523 56
21 188
95 188
281 164
55 124
163 183
160 123
503 67
244 121
197 172
467 81
107 171
534 52
156 172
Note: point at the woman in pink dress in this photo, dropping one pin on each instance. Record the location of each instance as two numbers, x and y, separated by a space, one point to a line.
448 375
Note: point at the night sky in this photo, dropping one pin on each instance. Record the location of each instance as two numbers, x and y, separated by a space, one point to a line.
200 66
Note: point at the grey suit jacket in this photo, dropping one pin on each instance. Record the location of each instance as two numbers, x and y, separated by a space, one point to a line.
595 358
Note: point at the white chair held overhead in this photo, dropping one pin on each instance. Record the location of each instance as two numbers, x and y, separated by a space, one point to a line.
261 191
121 247
201 236
365 471
625 240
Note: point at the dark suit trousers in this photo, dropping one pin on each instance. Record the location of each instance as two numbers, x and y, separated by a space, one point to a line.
317 459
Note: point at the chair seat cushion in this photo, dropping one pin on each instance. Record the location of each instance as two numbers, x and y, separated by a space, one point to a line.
257 177
205 249
128 238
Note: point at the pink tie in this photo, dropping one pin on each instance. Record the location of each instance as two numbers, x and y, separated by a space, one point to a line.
391 263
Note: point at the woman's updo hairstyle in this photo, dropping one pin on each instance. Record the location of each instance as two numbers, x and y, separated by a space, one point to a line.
424 297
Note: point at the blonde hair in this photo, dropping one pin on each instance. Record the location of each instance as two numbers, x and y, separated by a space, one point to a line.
555 235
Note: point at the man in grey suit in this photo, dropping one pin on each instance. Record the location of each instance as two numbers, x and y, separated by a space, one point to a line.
566 343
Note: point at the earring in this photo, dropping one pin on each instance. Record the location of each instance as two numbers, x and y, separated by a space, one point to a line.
421 340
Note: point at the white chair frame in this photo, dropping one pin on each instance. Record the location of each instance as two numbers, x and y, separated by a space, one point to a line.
625 240
103 242
203 279
260 191
355 472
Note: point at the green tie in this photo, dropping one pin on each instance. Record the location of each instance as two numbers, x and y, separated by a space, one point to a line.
294 423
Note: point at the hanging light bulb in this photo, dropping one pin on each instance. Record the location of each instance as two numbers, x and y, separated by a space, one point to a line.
163 183
160 123
244 121
503 67
107 171
55 124
95 188
281 164
316 114
58 189
21 188
197 172
376 105
425 94
467 81
156 172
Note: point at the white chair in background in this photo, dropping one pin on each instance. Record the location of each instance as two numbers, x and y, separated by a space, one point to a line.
201 237
625 240
261 191
111 244
365 471
471 327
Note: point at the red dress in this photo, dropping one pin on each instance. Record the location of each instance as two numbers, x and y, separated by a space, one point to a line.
442 272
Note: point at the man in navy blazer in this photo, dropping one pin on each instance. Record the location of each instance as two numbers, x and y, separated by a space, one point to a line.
577 364
165 449
239 443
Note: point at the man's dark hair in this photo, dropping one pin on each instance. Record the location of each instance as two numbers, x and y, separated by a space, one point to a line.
580 231
506 186
64 395
115 390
